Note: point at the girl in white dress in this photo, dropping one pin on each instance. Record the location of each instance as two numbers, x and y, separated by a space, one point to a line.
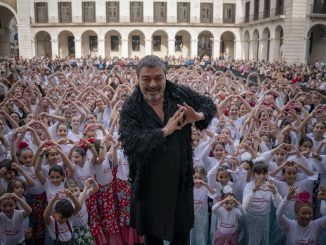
228 211
302 230
199 233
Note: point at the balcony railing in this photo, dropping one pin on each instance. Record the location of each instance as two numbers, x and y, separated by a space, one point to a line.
146 19
266 13
229 20
279 10
263 15
318 8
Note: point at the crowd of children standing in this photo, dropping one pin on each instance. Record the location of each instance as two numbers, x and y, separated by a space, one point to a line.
259 170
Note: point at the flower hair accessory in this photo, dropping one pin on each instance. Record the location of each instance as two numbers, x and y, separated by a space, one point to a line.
83 144
303 197
92 141
22 145
227 189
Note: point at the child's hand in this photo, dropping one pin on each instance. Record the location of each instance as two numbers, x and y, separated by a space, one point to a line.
3 171
228 198
63 141
68 193
235 201
5 196
235 162
272 187
16 167
292 191
57 195
13 196
258 184
88 183
28 233
322 193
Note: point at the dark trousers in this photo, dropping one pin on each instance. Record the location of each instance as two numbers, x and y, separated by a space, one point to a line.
178 239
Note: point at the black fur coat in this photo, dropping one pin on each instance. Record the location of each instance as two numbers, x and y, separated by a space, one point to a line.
161 168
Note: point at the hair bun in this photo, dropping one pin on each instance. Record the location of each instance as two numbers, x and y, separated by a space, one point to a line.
22 145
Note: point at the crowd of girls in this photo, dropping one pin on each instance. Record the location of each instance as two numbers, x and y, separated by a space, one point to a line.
259 169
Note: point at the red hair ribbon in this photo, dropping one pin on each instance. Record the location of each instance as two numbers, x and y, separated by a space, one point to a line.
92 141
22 145
82 145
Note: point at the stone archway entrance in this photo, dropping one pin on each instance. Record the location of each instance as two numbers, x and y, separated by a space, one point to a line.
8 32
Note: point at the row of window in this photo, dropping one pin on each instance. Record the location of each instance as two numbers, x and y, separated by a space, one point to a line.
136 12
279 10
135 43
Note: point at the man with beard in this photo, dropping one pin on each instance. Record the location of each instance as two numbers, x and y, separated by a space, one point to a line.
155 132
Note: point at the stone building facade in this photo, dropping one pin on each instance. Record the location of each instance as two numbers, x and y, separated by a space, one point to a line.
294 30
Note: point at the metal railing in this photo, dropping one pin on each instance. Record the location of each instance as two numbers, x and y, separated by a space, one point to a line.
229 20
145 19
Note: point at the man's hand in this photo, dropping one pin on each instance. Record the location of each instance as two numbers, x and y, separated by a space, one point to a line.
174 123
190 114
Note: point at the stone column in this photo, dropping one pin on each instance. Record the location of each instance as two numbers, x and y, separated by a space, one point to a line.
24 29
148 46
261 43
216 47
124 48
237 49
33 51
194 48
101 47
272 43
55 48
294 46
78 48
171 46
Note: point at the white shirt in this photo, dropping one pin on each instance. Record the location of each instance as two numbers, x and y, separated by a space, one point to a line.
103 172
123 167
302 185
105 117
26 220
320 167
63 230
51 189
74 137
12 231
82 173
53 131
316 143
227 221
200 200
296 234
81 218
259 202
38 188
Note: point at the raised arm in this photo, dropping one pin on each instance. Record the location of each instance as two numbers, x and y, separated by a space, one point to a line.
28 178
75 201
27 209
48 210
281 218
37 161
91 187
